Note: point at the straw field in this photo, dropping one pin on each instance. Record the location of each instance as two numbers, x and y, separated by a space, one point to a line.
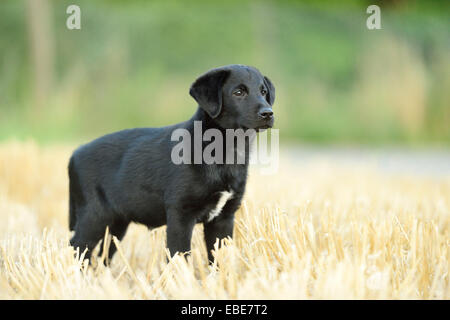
316 231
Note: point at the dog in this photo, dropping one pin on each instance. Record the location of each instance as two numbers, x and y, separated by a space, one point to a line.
129 176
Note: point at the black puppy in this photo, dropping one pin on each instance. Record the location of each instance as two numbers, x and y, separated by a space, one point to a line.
130 176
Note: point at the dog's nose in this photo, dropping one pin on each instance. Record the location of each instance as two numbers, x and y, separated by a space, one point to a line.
266 113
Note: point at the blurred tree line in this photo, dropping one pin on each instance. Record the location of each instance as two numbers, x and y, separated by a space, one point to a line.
132 62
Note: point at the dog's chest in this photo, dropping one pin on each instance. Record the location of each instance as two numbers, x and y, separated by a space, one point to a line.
224 197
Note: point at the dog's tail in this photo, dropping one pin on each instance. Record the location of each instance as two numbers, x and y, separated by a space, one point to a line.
75 195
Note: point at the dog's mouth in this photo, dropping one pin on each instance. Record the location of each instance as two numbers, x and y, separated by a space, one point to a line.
263 128
260 128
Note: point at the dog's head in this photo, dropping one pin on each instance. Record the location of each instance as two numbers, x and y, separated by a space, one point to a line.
236 96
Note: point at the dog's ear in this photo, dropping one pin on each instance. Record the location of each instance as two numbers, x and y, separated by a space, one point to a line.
207 91
270 96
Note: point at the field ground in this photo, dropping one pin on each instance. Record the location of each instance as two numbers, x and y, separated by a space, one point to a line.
318 229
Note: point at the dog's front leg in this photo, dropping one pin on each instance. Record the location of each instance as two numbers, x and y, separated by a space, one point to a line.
179 231
221 227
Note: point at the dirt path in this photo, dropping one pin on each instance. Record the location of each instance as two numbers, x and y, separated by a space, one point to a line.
433 163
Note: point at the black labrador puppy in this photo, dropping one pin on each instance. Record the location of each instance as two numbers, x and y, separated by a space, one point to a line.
130 175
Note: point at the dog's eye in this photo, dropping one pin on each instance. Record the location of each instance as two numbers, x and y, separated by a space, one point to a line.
239 92
263 92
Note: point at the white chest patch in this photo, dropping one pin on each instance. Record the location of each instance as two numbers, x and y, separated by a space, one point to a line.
224 197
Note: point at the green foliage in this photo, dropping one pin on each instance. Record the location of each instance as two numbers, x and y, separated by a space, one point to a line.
132 63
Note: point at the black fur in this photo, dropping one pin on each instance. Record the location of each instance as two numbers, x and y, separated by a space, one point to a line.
128 176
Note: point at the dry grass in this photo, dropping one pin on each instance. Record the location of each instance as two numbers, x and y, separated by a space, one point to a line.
310 232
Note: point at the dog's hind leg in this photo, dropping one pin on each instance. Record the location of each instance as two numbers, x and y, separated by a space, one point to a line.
117 229
89 230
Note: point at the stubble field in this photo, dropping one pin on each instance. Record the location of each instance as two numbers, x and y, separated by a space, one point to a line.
312 231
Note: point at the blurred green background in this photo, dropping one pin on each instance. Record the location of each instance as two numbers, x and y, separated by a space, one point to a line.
132 63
